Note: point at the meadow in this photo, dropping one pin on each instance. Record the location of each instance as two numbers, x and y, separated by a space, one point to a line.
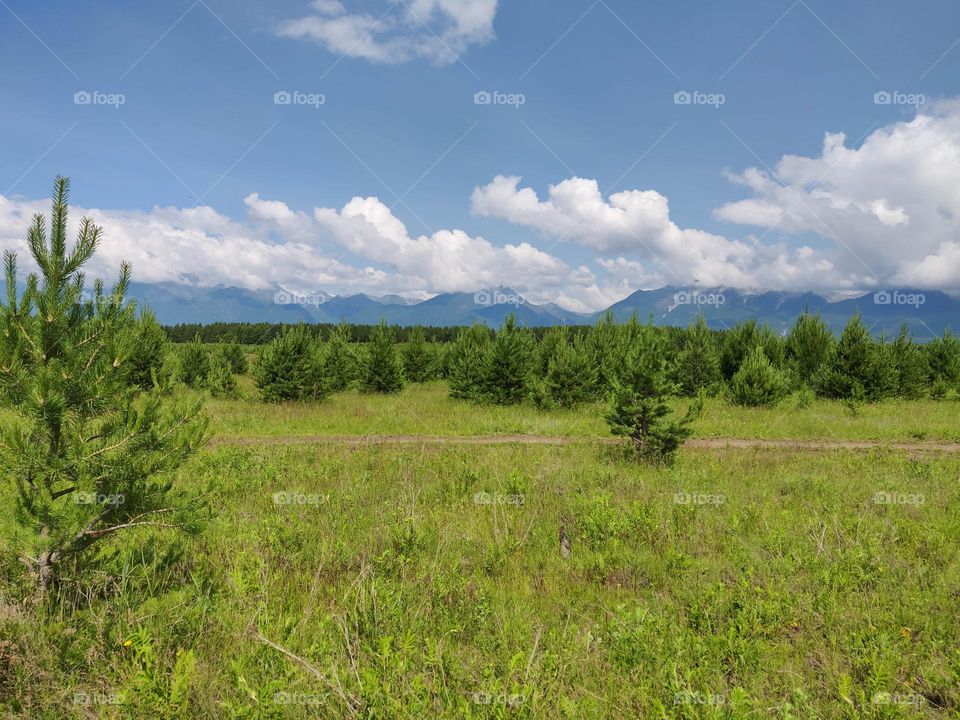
516 580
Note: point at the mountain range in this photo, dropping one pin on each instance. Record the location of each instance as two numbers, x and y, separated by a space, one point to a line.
927 313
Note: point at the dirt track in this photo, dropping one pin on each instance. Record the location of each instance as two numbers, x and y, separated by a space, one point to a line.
699 443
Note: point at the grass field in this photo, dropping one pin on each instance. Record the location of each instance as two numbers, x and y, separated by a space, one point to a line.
521 581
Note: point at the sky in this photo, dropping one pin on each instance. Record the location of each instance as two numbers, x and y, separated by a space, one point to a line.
575 151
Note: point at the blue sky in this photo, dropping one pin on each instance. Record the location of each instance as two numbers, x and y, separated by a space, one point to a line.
199 176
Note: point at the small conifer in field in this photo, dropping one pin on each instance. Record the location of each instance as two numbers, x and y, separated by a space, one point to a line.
859 368
383 367
757 382
288 368
467 362
698 362
147 353
508 372
571 377
418 357
809 346
339 361
911 365
194 364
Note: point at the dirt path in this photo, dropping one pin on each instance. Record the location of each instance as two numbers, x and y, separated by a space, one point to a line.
699 443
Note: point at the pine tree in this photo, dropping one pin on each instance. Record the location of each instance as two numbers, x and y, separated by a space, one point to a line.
234 355
606 346
418 357
220 380
911 364
858 367
809 346
698 363
467 363
508 371
194 364
741 340
571 376
757 382
339 362
288 368
147 353
89 455
639 410
943 356
383 369
554 338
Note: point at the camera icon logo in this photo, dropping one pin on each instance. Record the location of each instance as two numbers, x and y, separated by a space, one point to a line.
482 298
282 97
82 98
682 97
882 298
482 98
882 97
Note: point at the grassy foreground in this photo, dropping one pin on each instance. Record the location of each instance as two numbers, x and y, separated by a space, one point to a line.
407 582
427 410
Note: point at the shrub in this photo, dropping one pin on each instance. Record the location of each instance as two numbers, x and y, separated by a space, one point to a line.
288 368
383 369
943 356
911 365
638 409
89 455
220 380
757 382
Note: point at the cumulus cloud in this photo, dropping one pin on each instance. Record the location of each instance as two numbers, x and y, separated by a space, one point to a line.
439 31
648 248
891 207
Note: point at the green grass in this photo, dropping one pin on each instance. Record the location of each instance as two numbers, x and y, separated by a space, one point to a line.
388 589
427 410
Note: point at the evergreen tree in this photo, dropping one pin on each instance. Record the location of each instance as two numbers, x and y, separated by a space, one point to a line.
288 368
742 339
233 354
698 362
418 357
467 363
858 367
548 347
943 356
220 380
383 370
809 346
911 364
194 364
509 368
639 410
339 362
757 382
571 376
606 347
147 353
89 455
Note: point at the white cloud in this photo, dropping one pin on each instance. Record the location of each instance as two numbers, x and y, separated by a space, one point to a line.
891 207
436 30
648 248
